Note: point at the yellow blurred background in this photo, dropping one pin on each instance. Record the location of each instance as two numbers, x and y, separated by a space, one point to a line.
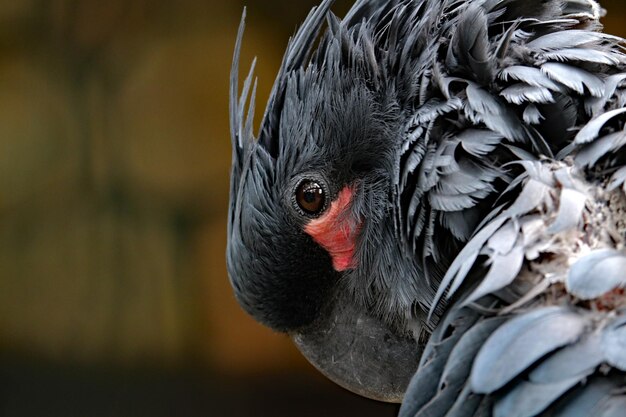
114 161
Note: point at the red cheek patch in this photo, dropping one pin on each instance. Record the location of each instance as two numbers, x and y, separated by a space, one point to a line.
336 231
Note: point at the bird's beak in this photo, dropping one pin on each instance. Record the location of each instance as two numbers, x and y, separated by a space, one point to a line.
359 352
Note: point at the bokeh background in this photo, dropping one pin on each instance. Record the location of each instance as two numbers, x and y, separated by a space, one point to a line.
114 161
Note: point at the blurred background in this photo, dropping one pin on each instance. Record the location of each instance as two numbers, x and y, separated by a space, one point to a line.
114 162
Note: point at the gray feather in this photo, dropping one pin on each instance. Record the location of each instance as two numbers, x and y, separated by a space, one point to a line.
567 39
519 343
585 55
434 108
491 111
438 405
428 175
614 344
597 273
483 102
417 151
505 239
617 179
586 401
529 75
613 407
433 362
532 115
464 269
600 147
459 363
460 223
465 404
521 154
450 202
467 180
426 378
298 49
580 358
575 78
523 93
479 142
530 198
465 259
470 43
502 271
592 129
528 399
583 10
571 205
595 105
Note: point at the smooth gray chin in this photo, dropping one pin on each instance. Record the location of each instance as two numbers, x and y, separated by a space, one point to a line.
359 352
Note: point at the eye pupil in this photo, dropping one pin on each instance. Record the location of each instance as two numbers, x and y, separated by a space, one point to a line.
310 197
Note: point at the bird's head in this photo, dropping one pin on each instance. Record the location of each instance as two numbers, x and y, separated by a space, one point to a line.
310 249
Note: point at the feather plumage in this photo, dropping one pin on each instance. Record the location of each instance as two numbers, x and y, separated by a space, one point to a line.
485 141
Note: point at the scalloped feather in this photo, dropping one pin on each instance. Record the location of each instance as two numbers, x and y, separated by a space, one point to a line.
524 93
575 78
479 142
529 75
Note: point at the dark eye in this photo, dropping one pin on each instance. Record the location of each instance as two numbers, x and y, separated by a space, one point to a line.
310 197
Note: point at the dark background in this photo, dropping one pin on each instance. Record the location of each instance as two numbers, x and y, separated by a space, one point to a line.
114 160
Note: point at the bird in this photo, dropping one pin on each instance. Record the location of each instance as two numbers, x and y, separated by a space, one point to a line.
433 206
